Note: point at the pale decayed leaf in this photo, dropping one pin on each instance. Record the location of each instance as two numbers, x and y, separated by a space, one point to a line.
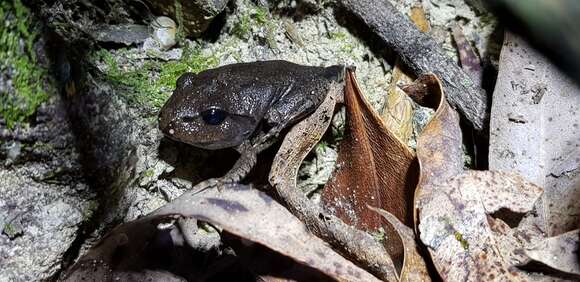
128 250
535 129
454 224
511 242
414 268
254 216
454 206
398 110
559 252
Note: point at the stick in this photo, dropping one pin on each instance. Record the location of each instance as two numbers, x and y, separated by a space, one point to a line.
421 54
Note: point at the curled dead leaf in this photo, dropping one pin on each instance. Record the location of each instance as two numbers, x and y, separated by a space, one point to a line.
414 267
373 168
397 112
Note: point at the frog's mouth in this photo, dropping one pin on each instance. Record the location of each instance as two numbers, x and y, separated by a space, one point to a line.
213 139
216 145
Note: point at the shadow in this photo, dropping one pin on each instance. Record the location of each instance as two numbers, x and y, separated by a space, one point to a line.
213 31
194 164
552 32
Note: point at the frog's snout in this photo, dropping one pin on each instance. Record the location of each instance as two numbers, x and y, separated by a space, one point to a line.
165 124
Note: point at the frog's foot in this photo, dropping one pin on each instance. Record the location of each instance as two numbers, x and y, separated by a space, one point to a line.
207 184
188 228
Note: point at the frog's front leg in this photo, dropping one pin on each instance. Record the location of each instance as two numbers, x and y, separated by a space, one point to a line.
249 151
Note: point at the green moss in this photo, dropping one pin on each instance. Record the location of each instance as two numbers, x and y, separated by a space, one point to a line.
18 59
151 84
379 235
347 48
180 34
322 145
10 230
462 241
242 28
148 173
261 14
259 17
338 35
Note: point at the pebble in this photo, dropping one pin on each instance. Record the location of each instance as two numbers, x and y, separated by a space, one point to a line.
164 32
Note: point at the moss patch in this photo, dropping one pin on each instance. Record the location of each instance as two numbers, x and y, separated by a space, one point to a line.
17 59
255 19
242 28
151 83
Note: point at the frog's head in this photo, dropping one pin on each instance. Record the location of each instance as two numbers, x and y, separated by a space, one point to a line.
200 114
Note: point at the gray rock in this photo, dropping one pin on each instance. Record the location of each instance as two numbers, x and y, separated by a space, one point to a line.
123 33
44 201
12 152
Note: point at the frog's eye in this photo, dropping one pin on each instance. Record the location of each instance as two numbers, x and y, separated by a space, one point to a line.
214 116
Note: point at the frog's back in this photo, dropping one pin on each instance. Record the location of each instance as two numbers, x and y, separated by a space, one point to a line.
255 86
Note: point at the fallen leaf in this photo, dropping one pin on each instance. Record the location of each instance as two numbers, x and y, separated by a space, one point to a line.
414 268
559 252
534 129
373 168
124 252
455 207
469 60
241 211
417 15
397 112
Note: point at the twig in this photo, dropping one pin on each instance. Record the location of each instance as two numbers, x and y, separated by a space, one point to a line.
422 54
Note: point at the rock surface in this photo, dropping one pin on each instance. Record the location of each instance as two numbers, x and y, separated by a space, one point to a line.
40 225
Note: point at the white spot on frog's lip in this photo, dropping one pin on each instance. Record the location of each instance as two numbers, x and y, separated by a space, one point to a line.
171 131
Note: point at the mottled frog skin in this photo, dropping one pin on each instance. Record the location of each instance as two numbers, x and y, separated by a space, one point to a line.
244 106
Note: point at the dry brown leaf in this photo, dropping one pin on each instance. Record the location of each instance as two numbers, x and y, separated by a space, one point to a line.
373 167
414 268
454 206
560 252
534 129
241 211
397 112
254 216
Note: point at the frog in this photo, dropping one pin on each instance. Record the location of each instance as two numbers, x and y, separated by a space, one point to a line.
244 106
